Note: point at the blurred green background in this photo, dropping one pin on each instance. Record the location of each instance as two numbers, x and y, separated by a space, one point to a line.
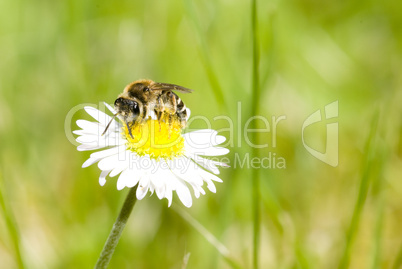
59 54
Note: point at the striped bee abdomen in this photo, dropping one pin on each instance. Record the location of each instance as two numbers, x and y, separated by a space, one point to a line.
181 110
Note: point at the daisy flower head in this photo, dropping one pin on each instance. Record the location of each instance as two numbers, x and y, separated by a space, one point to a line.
155 154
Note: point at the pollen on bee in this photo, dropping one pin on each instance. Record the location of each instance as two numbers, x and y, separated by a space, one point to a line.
156 138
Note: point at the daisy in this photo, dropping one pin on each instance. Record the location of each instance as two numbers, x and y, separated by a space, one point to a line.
158 156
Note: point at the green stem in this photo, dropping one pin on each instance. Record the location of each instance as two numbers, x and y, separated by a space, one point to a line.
11 224
361 199
117 229
255 108
205 55
208 236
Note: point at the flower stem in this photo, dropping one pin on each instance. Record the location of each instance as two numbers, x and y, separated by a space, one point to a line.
117 229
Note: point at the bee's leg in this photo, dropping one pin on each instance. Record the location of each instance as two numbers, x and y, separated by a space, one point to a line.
172 113
174 101
158 115
170 119
159 111
129 129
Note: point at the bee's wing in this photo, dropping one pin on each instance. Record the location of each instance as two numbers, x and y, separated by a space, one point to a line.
170 87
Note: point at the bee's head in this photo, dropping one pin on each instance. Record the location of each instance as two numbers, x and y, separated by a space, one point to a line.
127 109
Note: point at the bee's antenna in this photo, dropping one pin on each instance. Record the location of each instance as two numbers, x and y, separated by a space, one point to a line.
107 127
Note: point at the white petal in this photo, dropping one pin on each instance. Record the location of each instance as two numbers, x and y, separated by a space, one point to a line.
160 191
211 186
143 188
166 180
210 165
123 179
98 115
91 139
201 190
98 128
141 192
89 147
161 178
102 143
196 190
168 195
158 178
202 133
102 177
90 162
97 131
188 173
184 194
211 151
200 139
87 139
80 132
108 152
113 161
118 169
88 126
188 113
151 189
204 174
207 177
133 176
219 139
191 175
114 127
110 108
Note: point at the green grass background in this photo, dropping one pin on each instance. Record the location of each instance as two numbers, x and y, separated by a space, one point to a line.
59 54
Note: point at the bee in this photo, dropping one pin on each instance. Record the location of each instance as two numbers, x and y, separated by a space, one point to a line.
144 98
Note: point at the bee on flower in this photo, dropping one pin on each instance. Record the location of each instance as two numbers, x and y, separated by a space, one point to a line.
147 145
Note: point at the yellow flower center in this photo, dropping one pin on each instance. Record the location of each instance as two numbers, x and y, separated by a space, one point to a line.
157 139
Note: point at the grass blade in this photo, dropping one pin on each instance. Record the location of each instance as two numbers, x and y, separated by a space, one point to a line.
398 260
11 225
205 57
208 236
379 193
363 189
254 110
